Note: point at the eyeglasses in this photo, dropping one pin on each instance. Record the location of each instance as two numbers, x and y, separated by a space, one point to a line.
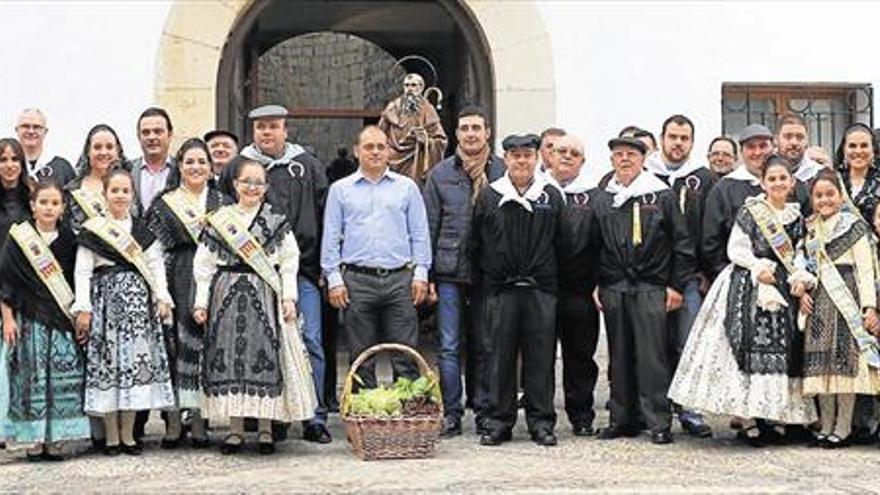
255 184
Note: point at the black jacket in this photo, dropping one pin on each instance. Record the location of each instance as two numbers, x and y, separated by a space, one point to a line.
722 205
301 196
447 194
665 257
579 244
512 246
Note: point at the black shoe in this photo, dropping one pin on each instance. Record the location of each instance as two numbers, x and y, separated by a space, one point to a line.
265 444
661 437
696 427
481 425
544 438
833 441
583 429
135 449
316 432
199 443
52 456
228 447
110 450
279 431
170 443
451 427
34 457
614 431
496 437
752 436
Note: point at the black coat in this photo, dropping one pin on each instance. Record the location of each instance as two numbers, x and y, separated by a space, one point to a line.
513 246
665 257
579 244
447 194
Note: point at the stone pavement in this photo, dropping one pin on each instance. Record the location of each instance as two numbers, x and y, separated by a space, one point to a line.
577 465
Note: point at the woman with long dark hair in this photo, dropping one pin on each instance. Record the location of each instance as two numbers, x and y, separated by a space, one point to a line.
14 191
176 218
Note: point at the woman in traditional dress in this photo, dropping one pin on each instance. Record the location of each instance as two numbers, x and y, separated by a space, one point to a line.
177 218
840 354
245 271
45 363
744 354
121 295
84 196
860 175
14 189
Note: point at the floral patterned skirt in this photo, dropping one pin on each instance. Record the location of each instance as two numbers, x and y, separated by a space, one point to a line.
709 379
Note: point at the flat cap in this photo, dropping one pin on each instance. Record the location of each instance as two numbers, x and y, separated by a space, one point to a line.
752 131
515 141
627 141
268 112
220 132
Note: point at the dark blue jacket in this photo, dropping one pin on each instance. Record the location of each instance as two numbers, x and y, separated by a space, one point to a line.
447 194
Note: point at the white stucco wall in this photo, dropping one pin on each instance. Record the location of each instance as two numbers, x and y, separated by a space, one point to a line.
616 63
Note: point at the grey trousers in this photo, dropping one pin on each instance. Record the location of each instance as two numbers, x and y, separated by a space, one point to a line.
380 310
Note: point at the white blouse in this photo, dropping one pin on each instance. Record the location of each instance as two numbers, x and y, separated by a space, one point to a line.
286 258
87 261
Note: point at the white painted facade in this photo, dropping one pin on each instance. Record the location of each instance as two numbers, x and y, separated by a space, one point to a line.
614 63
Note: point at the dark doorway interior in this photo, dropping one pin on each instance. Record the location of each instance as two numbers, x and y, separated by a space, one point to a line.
329 62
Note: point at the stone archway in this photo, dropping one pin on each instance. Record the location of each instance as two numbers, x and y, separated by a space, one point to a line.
191 80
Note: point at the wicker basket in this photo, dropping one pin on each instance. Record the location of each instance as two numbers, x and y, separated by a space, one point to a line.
392 438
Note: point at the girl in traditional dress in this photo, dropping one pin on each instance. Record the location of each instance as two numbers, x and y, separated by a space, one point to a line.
102 152
840 355
45 363
14 189
177 218
121 294
744 354
255 365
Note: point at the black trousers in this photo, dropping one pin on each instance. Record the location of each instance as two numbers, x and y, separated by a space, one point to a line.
636 324
381 310
477 346
521 320
577 327
329 329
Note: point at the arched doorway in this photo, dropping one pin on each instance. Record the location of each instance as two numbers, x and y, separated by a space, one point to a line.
330 63
516 81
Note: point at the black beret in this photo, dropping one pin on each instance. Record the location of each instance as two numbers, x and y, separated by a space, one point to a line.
514 141
631 142
220 132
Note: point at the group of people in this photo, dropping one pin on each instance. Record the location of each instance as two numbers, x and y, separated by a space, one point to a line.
209 284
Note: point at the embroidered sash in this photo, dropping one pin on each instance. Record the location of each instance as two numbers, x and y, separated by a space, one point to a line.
840 295
92 204
235 233
774 233
44 263
185 211
123 243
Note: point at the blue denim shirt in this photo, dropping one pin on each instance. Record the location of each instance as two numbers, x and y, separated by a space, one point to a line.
375 224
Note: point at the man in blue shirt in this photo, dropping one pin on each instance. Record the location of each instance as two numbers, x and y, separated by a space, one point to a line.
375 253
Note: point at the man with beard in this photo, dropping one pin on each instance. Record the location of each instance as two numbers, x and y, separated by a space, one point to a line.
792 142
646 259
722 155
450 192
30 127
691 182
297 186
414 132
577 320
515 230
729 194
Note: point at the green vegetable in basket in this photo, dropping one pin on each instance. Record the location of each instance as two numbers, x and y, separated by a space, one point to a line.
426 387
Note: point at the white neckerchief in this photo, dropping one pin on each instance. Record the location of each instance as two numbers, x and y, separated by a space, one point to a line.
508 192
645 183
658 167
582 183
741 173
286 159
807 169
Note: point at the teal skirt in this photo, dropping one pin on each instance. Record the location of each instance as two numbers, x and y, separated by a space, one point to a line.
44 386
